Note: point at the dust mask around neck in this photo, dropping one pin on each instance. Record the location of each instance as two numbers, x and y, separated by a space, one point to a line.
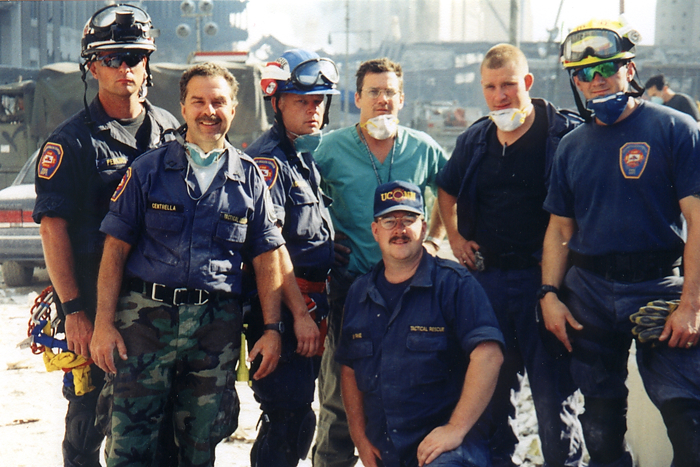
201 158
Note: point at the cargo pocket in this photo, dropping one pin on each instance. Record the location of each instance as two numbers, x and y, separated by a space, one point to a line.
424 348
163 244
226 420
103 410
366 372
229 237
307 215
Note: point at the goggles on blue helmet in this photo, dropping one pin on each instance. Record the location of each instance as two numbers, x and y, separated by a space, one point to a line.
316 71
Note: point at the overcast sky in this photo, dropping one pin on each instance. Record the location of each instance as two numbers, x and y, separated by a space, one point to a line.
276 17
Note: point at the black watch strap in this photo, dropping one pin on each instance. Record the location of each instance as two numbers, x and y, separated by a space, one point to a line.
545 289
72 307
278 326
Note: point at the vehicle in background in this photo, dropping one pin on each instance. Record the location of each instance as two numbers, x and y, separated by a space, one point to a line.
444 121
30 110
16 141
20 243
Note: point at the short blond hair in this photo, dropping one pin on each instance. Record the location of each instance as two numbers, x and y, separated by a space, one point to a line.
501 55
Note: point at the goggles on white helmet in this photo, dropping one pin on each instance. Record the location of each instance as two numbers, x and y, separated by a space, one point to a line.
308 74
299 71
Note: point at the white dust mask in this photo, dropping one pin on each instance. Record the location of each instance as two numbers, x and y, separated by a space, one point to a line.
382 127
509 119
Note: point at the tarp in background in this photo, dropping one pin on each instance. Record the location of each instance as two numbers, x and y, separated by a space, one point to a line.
59 94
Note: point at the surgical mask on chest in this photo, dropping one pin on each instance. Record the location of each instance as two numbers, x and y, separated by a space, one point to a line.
509 119
308 143
382 127
656 100
608 108
201 158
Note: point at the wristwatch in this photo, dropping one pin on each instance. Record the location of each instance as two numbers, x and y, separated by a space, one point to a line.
545 289
278 326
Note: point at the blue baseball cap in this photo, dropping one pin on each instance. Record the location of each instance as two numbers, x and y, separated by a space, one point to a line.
397 196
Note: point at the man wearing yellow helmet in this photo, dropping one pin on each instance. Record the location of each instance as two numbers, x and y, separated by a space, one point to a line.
621 187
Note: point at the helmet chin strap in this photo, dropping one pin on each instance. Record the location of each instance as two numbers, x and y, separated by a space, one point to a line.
83 71
586 114
326 111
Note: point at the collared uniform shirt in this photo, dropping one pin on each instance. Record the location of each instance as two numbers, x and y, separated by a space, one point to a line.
301 206
81 165
183 238
349 179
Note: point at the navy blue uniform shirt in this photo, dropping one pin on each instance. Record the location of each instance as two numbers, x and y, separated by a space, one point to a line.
182 238
301 206
410 364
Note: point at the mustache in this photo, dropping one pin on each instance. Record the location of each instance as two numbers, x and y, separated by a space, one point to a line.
403 238
208 120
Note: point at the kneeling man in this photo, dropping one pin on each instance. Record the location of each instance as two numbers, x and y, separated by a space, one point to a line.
420 348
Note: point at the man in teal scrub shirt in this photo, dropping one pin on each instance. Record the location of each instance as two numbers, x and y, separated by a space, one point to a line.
353 161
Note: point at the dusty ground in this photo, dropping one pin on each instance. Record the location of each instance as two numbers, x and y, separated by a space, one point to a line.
32 407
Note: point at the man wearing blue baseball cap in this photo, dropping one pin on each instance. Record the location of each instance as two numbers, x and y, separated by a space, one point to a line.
420 348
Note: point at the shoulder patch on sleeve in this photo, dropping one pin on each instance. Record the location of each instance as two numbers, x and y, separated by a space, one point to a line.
50 161
269 168
120 188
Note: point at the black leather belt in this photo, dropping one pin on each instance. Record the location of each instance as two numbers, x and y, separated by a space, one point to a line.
312 274
509 261
170 295
629 267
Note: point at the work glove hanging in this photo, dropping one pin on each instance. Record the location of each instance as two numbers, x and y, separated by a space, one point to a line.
650 319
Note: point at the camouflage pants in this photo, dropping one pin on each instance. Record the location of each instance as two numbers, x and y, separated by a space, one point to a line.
186 353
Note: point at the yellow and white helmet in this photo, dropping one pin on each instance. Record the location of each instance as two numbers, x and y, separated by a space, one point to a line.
599 41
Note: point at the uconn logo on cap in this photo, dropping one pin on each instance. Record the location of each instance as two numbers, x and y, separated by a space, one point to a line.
398 195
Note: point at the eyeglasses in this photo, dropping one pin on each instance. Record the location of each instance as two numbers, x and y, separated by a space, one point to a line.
606 70
389 223
374 93
115 60
309 73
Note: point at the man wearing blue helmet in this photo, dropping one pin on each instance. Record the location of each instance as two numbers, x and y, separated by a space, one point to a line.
299 85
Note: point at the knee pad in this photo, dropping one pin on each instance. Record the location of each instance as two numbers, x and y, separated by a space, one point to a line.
284 438
604 425
82 440
682 419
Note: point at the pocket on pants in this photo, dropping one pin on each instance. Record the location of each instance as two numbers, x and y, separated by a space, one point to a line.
103 410
226 420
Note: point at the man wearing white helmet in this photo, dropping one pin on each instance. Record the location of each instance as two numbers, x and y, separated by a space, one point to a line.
300 85
621 188
80 166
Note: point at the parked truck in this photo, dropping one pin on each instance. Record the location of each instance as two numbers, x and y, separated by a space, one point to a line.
32 109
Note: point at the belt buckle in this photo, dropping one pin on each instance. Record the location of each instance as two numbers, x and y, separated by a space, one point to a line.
202 293
201 299
176 302
153 292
